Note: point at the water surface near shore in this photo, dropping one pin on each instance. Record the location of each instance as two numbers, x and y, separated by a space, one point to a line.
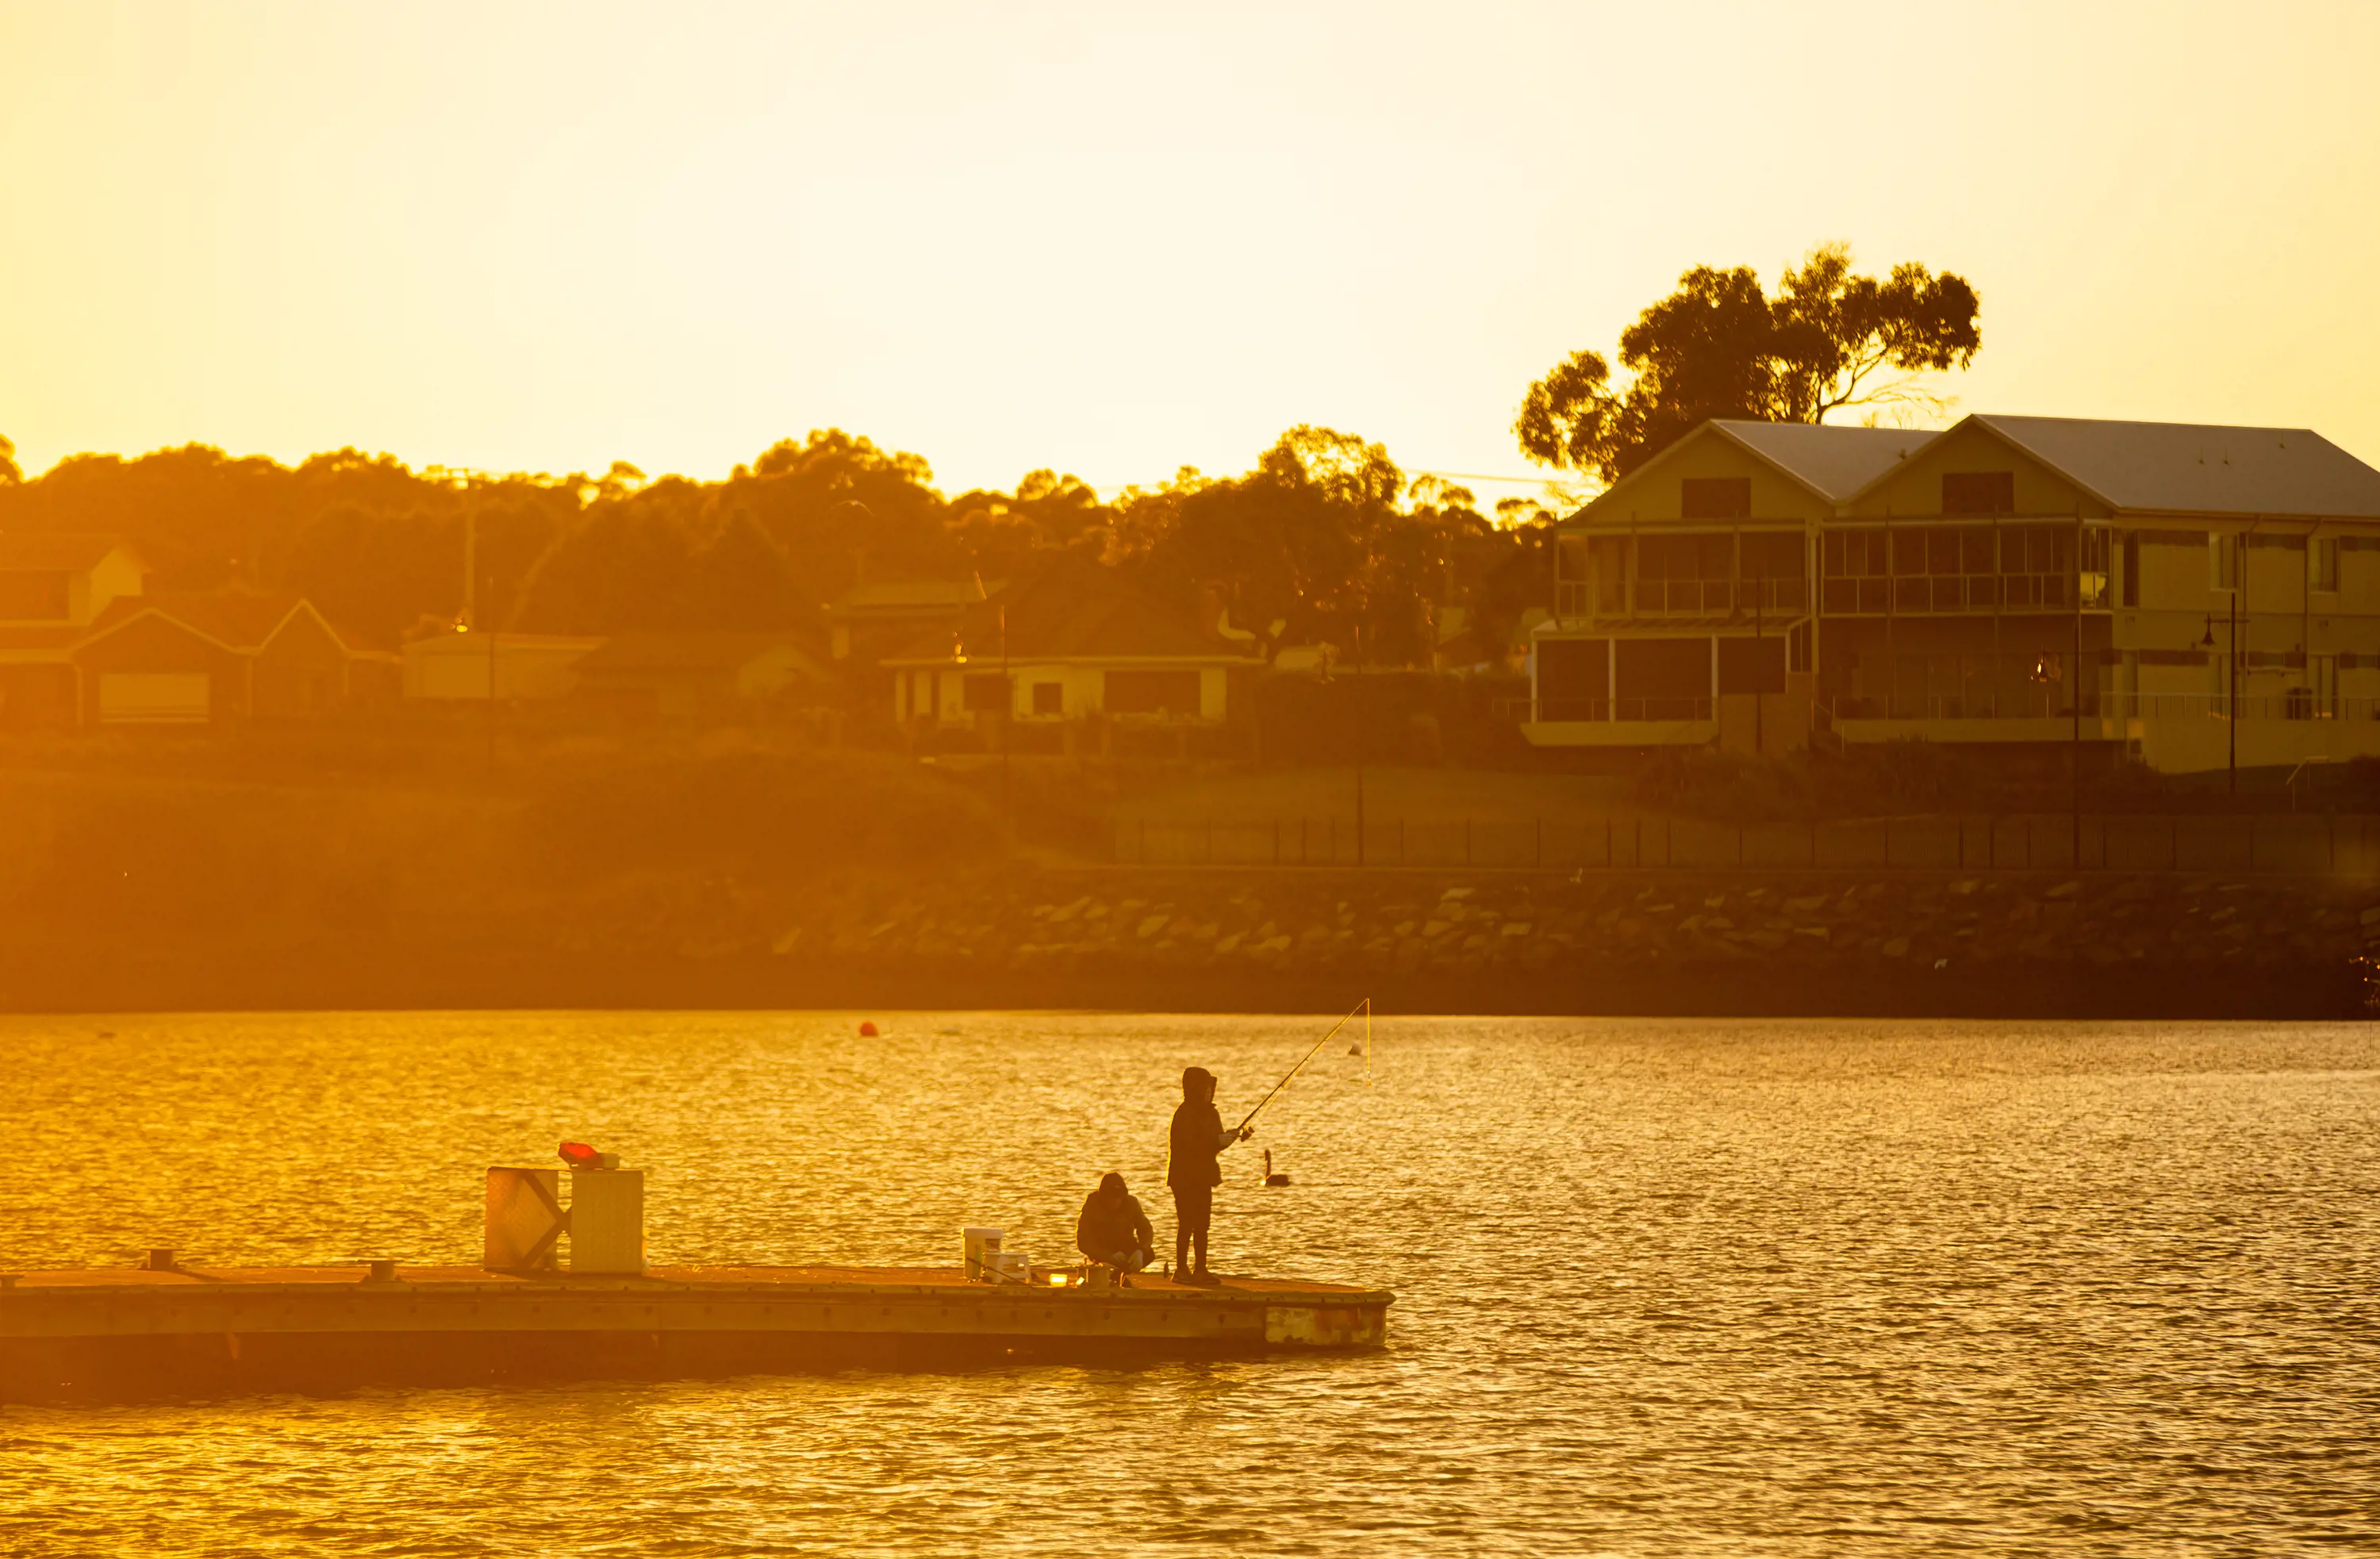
1664 1287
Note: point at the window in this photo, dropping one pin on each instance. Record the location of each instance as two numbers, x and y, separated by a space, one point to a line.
1685 573
1714 497
1773 556
1048 697
2322 564
1855 568
1774 565
985 692
1979 493
1609 560
1574 678
2222 562
1152 692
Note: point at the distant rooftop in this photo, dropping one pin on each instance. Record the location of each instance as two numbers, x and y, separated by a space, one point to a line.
2191 467
1833 462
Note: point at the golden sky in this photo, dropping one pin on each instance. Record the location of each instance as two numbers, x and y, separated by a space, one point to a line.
1117 240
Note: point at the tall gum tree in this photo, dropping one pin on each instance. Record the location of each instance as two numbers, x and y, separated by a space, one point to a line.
1829 340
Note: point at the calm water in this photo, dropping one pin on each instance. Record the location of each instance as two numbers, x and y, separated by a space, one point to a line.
1771 1288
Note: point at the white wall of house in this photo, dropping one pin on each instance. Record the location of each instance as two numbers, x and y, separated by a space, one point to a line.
940 691
116 575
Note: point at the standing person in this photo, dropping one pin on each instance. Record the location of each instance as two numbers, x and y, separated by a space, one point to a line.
1198 1137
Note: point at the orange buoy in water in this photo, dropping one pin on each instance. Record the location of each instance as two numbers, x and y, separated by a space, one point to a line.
867 1030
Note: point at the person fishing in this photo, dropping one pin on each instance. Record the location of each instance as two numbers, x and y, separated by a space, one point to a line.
1113 1230
1200 1136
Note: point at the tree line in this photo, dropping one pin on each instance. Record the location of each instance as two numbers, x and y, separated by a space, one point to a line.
1323 540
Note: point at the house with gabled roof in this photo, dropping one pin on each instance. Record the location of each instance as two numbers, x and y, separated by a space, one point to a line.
189 660
1069 646
2194 595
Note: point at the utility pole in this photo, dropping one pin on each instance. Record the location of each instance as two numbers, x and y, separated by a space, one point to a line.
2239 545
2075 699
1760 662
1358 693
1008 713
491 637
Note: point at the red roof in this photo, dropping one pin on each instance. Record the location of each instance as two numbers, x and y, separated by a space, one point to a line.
235 619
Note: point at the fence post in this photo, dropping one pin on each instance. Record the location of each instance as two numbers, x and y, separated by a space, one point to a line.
1276 841
2173 843
1400 840
1301 839
1738 846
1608 861
2252 842
1888 837
1467 841
2028 841
1210 841
1640 841
1144 841
1540 825
1814 841
1334 838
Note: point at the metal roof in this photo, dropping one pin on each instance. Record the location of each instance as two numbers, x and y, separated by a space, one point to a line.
1832 462
2189 468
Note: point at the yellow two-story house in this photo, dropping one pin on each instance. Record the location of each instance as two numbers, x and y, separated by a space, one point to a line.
2202 596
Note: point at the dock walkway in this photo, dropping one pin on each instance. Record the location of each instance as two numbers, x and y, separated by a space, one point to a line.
137 1332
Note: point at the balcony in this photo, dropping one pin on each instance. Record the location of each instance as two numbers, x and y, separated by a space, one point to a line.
1564 711
1689 597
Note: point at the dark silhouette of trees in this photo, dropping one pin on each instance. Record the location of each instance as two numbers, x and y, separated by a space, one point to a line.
1296 541
1828 341
1322 539
8 470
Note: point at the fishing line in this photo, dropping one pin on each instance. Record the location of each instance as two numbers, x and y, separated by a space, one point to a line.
1363 1006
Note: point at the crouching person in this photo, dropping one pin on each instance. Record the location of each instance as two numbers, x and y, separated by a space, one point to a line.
1113 1231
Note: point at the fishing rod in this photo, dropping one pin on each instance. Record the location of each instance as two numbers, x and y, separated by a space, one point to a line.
1363 1006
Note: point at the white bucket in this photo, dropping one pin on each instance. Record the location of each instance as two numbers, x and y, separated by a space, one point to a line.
981 1246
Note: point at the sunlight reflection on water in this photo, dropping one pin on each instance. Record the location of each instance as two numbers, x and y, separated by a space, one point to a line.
1664 1287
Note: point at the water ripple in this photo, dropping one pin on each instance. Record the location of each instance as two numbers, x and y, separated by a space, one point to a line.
1665 1288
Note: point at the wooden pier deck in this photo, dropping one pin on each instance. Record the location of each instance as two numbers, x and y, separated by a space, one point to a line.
194 1329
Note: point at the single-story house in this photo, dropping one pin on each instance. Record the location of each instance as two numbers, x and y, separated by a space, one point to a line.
1071 645
187 660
